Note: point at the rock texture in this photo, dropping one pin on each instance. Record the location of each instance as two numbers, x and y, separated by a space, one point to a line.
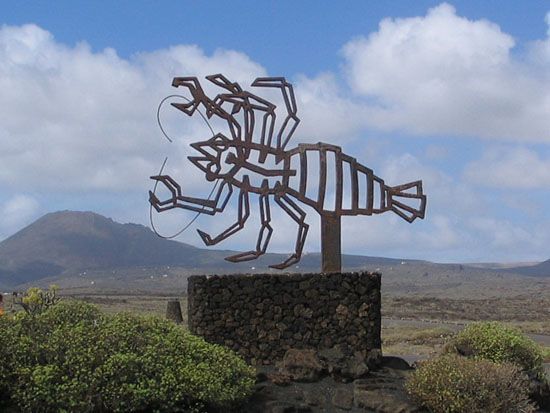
302 365
378 390
173 311
373 391
261 316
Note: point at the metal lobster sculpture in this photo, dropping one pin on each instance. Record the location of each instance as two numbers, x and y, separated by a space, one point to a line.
228 160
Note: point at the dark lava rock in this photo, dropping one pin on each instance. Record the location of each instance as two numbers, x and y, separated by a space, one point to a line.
343 363
282 407
384 398
377 391
343 398
314 397
261 377
374 359
396 363
279 378
302 365
540 393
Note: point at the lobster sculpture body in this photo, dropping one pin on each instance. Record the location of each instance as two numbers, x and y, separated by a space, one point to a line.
238 162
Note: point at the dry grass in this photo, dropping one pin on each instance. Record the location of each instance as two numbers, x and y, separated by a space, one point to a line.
534 327
414 340
529 314
142 304
117 303
532 314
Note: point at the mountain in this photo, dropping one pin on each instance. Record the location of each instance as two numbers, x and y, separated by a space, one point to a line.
78 249
539 270
70 241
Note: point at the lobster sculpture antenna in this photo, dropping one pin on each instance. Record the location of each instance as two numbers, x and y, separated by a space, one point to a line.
228 160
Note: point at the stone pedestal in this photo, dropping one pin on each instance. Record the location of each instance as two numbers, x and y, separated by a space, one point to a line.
261 316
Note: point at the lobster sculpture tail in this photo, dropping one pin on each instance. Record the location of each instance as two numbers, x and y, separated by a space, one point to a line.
319 175
407 200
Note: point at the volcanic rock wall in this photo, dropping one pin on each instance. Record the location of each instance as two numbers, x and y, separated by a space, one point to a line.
260 316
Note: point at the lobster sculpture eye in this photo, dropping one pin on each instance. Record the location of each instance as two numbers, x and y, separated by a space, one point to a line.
220 143
213 156
258 149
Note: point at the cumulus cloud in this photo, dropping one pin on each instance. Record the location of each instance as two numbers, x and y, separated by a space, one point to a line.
539 51
74 119
510 167
445 74
449 201
326 113
17 212
502 234
446 195
461 221
83 120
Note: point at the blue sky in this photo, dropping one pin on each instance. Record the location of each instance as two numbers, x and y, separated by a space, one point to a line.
456 94
284 36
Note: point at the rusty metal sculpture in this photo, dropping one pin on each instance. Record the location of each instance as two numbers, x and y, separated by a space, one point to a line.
228 161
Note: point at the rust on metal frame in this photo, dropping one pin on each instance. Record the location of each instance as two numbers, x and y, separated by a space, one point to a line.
228 158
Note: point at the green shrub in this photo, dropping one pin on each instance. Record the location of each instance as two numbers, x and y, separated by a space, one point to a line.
496 342
454 384
71 357
8 342
35 300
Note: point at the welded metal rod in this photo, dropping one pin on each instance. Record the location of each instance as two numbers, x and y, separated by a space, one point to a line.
331 243
239 159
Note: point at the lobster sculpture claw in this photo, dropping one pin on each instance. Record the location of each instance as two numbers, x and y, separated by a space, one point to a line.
255 140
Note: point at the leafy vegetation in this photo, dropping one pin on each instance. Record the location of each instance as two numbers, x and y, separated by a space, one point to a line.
72 357
455 384
487 367
35 300
498 343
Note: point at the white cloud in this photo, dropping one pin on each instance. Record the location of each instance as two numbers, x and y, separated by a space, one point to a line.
447 196
445 74
79 120
73 119
436 152
326 113
500 234
17 212
539 51
510 167
449 203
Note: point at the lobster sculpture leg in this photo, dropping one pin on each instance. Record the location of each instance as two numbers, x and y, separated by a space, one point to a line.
228 161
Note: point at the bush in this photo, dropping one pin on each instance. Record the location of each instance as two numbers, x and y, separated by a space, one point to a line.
496 342
453 383
7 344
35 300
71 357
